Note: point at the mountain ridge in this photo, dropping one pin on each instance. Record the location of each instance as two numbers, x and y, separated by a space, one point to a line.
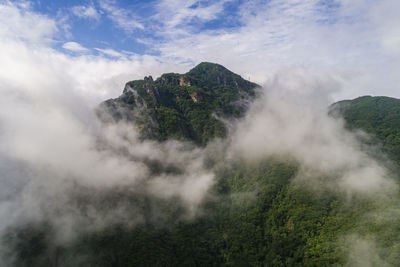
255 216
183 106
379 116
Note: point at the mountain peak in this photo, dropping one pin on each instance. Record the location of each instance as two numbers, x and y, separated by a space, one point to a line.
209 67
216 75
183 106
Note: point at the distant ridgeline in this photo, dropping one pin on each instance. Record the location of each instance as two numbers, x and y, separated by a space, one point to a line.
183 106
378 116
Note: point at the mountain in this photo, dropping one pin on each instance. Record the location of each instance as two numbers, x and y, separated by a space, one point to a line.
255 215
182 106
379 116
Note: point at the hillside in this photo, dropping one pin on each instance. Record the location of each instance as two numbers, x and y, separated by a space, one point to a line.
379 116
183 106
254 214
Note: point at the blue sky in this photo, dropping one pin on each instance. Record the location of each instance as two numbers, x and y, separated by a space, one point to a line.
60 59
135 26
349 47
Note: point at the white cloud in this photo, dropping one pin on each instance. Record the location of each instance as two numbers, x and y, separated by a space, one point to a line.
122 18
86 12
110 52
351 40
50 133
290 120
173 13
46 112
18 22
75 47
387 25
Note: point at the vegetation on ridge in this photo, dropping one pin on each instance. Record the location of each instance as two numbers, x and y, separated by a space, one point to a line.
378 116
255 217
183 106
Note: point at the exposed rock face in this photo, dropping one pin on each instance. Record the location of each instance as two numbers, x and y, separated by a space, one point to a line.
169 79
183 81
198 97
153 92
148 78
181 105
194 97
127 88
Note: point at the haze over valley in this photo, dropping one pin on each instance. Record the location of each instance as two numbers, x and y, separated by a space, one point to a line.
199 133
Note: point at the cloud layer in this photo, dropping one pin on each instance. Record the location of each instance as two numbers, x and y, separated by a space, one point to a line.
290 121
306 53
351 40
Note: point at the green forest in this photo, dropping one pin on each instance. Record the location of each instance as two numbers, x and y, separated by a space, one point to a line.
254 215
183 106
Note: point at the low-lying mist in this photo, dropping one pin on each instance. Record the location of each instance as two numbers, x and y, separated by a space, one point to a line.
291 120
61 166
65 173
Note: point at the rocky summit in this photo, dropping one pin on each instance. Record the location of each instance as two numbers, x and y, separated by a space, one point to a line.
182 106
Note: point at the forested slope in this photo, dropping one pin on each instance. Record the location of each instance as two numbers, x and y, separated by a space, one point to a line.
254 215
183 106
378 116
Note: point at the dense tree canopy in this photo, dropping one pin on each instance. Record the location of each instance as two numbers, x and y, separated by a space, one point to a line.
183 106
254 216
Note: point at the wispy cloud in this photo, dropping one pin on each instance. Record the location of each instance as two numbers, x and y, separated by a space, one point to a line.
172 13
19 22
75 47
86 12
50 98
122 18
48 95
350 39
110 52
